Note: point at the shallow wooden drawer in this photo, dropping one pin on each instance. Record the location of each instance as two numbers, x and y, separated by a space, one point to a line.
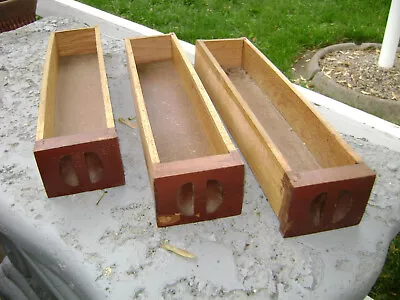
313 180
76 146
195 171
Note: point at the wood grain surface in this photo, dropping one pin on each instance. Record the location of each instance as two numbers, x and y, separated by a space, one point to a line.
194 169
311 177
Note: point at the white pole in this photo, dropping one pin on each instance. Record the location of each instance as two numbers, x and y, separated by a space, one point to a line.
391 38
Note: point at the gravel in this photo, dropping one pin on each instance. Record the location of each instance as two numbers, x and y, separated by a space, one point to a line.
358 70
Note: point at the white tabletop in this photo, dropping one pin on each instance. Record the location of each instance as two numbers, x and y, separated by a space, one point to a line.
112 250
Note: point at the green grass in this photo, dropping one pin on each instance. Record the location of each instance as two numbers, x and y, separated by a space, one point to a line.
280 29
388 284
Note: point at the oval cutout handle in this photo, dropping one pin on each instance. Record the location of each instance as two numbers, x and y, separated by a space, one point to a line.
317 209
185 199
215 196
94 167
67 171
342 206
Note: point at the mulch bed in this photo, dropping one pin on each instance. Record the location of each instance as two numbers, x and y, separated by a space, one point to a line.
358 70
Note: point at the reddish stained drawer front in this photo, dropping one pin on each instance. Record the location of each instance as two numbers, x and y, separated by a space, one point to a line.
76 148
195 171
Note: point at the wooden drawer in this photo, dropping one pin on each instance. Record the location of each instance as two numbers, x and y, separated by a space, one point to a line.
313 180
76 146
195 171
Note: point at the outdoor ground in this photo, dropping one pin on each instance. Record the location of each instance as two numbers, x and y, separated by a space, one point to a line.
283 30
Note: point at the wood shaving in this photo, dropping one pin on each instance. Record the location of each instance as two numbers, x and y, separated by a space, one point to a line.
108 271
101 197
178 251
168 219
128 123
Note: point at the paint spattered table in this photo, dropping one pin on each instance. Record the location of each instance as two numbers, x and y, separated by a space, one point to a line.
112 250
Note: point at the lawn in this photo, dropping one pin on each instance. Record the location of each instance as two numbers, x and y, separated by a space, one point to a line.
282 30
388 284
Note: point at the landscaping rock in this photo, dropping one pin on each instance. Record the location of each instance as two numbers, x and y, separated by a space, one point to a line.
349 73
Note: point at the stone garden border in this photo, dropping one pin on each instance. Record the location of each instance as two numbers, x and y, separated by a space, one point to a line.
383 108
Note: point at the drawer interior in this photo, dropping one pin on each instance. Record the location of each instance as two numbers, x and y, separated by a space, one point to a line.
75 100
175 112
303 139
177 131
285 138
79 99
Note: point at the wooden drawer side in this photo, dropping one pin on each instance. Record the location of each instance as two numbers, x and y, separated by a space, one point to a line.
227 52
148 143
78 41
48 91
151 49
331 150
104 81
262 156
210 121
